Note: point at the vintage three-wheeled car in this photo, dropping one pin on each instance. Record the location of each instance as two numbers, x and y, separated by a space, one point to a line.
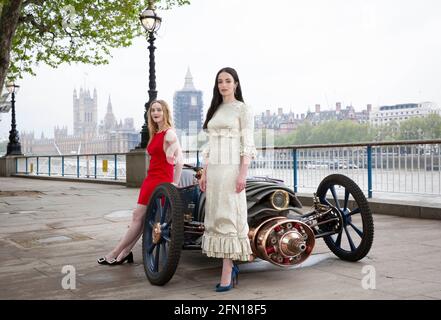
281 230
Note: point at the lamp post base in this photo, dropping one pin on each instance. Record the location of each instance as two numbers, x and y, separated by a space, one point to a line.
13 150
144 138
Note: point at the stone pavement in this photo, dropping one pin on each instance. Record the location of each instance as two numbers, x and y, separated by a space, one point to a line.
45 225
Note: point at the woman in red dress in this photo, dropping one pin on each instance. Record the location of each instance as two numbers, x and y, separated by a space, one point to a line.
164 151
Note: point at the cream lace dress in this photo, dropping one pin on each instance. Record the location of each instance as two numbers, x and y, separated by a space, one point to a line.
230 136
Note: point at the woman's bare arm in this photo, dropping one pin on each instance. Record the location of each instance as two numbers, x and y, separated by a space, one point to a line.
173 153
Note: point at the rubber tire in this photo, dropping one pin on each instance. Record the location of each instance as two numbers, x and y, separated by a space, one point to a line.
176 235
366 217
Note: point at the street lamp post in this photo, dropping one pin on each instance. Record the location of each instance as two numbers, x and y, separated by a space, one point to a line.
151 23
14 147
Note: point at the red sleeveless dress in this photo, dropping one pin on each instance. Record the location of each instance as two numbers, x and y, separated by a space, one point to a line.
159 171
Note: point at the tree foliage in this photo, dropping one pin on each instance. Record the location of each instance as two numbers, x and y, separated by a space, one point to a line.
421 128
328 132
65 31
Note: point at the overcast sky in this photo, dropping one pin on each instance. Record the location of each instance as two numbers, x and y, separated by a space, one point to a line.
288 53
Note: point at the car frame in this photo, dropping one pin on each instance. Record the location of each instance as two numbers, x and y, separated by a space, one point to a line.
282 232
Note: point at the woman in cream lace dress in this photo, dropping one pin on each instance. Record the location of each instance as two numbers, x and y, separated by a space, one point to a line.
230 148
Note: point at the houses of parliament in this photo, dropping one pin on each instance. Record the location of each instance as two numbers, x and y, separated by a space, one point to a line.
110 136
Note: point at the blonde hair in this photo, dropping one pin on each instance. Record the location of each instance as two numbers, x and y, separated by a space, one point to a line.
153 126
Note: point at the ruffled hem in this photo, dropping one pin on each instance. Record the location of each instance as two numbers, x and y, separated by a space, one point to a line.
227 247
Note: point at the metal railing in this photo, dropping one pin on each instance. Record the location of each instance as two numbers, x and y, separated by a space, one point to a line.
110 166
411 167
407 167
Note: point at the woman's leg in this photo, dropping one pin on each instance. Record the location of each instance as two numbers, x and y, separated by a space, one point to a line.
226 272
125 251
132 235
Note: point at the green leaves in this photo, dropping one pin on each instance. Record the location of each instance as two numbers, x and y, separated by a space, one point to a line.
327 132
85 31
347 131
421 128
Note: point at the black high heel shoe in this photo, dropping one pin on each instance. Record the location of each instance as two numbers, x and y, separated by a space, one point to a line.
103 260
128 258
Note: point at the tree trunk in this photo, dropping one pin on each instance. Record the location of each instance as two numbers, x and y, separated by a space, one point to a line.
8 24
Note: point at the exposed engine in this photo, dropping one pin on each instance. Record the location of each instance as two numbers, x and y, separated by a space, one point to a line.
282 241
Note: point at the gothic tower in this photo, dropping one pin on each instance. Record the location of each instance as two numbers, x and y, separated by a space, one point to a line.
109 118
187 107
85 108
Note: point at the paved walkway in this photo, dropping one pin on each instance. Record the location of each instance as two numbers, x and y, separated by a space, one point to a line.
45 225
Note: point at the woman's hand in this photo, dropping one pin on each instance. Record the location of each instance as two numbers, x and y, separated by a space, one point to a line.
203 182
240 183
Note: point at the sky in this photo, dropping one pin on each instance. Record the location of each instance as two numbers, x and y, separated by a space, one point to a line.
289 54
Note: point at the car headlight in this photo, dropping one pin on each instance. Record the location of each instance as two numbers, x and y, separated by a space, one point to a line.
280 200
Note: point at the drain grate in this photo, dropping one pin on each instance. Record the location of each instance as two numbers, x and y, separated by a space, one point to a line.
54 239
20 193
39 239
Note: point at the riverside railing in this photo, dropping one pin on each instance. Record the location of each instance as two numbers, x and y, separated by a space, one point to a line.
109 166
383 167
406 167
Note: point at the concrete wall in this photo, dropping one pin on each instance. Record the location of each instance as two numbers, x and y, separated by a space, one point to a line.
7 166
137 164
403 208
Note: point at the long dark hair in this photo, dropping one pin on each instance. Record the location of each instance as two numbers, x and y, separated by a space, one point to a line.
217 97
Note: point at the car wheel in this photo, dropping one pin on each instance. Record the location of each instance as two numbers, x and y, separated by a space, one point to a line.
355 233
163 234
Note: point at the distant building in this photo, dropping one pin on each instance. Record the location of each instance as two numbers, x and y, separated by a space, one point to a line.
287 122
85 111
348 113
88 138
401 112
188 107
279 122
109 122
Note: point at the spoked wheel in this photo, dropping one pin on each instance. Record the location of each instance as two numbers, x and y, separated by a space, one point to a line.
355 231
163 235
